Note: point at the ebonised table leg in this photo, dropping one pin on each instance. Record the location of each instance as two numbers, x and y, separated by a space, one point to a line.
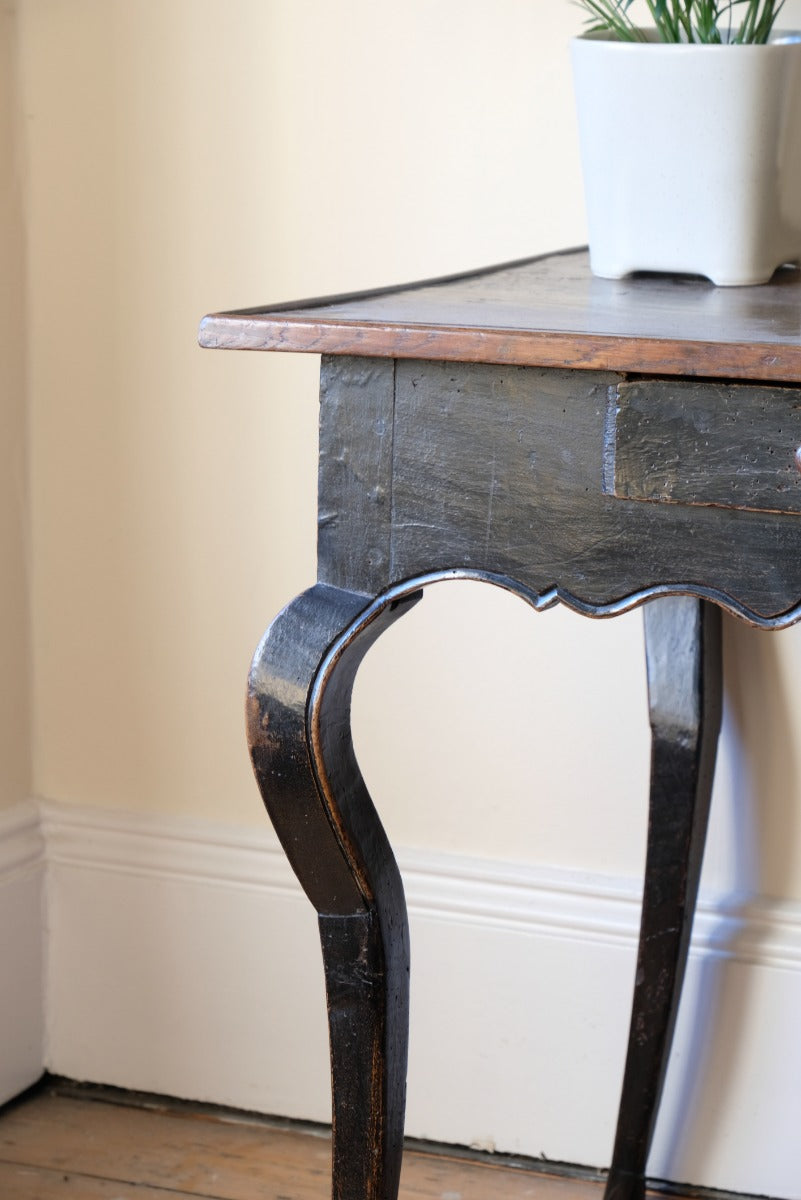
299 735
682 637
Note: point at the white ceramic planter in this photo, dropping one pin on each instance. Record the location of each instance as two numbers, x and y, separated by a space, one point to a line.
691 156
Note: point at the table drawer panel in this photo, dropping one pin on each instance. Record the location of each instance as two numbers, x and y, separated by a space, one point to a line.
732 446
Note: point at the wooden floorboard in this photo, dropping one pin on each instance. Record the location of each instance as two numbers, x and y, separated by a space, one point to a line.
62 1147
36 1183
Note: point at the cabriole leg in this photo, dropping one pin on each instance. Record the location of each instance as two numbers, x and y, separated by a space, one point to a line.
682 639
300 741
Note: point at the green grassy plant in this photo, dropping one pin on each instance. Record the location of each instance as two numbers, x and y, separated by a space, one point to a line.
706 21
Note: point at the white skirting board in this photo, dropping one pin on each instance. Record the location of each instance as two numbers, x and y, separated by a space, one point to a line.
183 959
21 949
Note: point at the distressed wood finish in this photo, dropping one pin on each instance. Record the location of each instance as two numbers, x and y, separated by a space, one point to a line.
299 735
683 655
547 312
508 426
499 471
727 445
357 400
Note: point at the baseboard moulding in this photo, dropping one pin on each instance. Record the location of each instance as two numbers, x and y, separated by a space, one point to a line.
22 933
183 960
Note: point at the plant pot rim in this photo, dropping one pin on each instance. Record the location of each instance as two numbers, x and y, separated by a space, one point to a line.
778 39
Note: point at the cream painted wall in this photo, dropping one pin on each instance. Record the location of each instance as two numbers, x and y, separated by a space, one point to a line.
180 161
14 647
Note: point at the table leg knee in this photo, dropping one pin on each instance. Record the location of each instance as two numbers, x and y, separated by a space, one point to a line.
302 751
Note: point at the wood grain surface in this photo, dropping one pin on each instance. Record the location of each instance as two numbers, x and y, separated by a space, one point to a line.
501 471
357 400
548 311
55 1147
729 445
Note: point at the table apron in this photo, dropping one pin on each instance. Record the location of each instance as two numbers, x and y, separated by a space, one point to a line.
547 478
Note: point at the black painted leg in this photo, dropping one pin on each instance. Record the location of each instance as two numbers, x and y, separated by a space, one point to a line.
300 741
682 637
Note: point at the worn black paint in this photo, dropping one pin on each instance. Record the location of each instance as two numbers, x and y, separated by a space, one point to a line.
432 469
501 470
299 734
357 400
730 445
683 655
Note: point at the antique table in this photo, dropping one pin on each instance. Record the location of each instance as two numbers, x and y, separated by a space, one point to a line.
575 440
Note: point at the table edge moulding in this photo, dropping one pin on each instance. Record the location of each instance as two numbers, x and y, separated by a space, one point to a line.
597 443
548 311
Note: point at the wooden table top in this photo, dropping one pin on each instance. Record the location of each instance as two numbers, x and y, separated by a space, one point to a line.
548 312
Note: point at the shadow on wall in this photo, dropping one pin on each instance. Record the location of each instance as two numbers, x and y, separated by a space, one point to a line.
764 823
760 709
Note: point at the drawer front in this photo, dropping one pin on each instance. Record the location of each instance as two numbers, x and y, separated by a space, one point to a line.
732 446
